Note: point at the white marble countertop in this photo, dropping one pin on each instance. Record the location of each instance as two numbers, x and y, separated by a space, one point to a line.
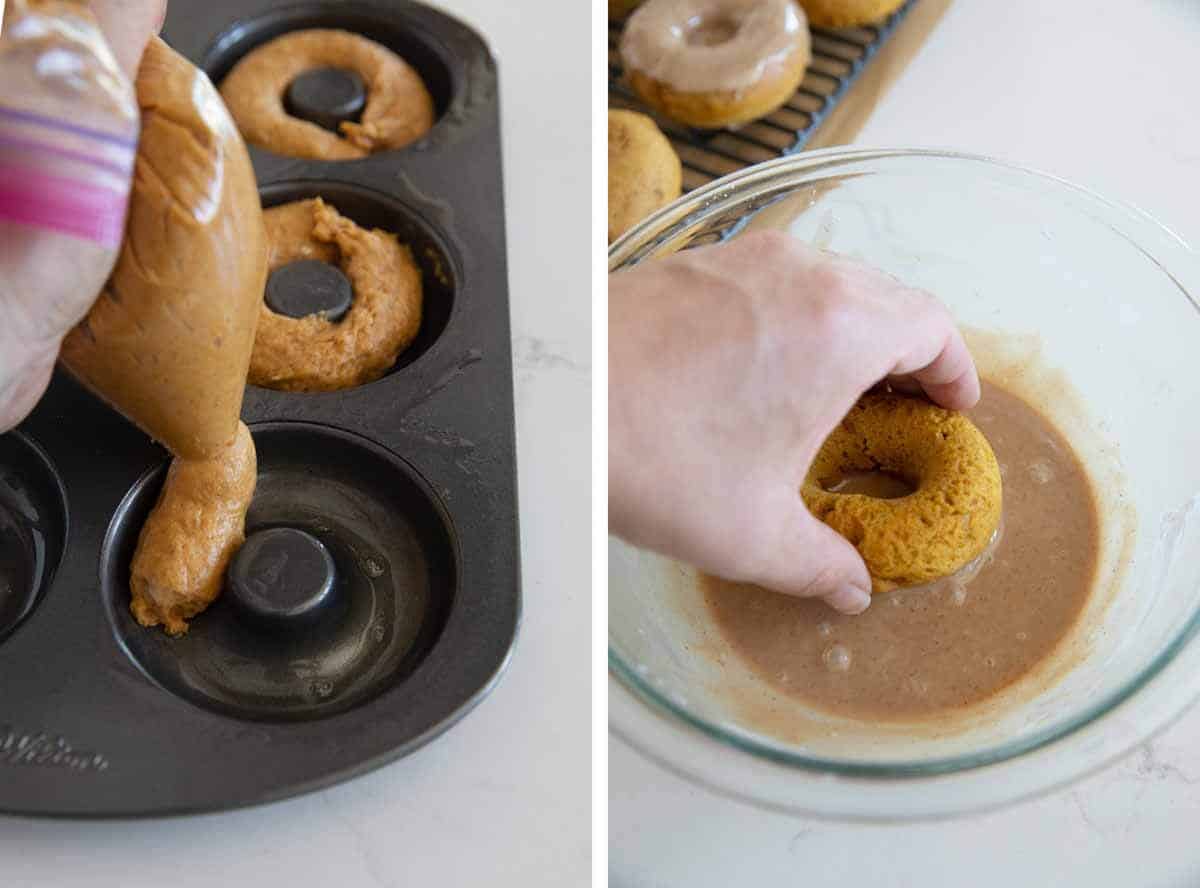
504 797
1103 93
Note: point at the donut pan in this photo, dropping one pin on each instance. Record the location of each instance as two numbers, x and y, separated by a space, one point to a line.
408 484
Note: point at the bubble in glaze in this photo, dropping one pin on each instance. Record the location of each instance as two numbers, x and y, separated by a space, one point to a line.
1041 472
836 658
958 594
824 628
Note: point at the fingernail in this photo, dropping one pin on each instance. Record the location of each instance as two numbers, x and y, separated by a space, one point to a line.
849 599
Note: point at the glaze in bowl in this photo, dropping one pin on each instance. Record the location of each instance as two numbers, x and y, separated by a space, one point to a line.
1089 309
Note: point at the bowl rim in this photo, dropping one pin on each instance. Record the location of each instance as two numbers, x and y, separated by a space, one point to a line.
718 195
725 195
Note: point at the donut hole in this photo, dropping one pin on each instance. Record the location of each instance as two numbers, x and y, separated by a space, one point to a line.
370 209
876 483
710 30
305 287
401 30
327 96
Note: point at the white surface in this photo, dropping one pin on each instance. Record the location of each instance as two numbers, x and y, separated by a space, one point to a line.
1103 93
504 797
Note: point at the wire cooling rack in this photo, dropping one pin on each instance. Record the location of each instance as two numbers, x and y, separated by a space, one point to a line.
838 57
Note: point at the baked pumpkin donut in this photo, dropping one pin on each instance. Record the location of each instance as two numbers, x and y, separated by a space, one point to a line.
644 172
398 108
714 63
312 353
945 523
847 13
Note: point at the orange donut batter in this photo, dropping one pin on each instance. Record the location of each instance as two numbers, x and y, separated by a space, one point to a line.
311 353
399 109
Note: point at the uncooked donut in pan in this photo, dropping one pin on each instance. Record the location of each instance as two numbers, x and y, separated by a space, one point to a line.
313 353
398 110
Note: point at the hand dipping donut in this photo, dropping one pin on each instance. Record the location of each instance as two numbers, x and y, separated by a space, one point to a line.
397 109
944 502
714 63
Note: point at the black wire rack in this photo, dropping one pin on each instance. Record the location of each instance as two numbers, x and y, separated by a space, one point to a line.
838 57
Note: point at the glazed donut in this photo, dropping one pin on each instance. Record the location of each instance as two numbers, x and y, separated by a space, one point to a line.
945 523
398 109
197 525
313 353
847 13
713 63
644 172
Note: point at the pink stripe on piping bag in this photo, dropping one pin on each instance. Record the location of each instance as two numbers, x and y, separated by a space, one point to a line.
64 205
35 148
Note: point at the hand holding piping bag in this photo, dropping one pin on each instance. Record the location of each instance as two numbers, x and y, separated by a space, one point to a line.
68 136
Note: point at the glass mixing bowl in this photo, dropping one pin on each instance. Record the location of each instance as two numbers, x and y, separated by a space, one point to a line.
1095 304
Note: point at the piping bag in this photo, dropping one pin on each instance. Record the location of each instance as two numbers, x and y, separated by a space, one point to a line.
168 340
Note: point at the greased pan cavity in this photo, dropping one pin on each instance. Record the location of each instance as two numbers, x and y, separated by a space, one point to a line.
408 481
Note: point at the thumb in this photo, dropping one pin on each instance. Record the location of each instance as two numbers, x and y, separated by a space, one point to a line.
812 560
127 26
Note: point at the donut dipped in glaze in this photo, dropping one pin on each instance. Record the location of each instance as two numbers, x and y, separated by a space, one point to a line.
948 520
715 63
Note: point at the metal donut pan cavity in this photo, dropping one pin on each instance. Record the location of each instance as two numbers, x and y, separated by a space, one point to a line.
398 497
